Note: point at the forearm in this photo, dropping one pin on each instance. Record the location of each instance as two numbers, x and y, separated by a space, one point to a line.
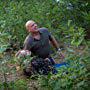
54 43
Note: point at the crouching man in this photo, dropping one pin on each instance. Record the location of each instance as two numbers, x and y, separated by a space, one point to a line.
38 43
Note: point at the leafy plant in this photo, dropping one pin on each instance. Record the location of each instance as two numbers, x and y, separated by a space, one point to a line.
73 76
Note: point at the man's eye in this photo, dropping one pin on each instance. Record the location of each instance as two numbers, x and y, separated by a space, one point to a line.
33 24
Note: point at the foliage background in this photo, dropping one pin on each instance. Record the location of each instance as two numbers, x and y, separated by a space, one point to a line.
56 16
67 20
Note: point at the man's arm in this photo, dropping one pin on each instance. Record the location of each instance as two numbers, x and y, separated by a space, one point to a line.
26 48
56 45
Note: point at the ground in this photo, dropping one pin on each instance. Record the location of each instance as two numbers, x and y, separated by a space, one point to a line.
18 74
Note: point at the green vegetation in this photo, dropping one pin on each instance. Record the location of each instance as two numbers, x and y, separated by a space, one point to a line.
67 20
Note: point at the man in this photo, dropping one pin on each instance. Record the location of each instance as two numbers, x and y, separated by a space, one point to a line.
38 41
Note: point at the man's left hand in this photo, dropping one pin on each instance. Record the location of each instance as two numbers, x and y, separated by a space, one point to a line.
60 53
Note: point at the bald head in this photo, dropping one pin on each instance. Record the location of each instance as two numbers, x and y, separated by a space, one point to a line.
28 23
31 26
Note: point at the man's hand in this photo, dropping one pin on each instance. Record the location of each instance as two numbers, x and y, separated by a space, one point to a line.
23 53
60 53
62 56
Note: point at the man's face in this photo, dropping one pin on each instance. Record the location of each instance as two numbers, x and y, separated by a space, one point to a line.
32 27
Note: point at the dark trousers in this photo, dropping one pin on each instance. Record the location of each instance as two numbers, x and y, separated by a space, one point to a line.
52 60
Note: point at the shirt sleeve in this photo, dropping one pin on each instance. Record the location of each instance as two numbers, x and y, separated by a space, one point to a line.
50 37
49 34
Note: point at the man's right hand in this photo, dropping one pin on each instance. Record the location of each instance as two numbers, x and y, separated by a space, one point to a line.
23 53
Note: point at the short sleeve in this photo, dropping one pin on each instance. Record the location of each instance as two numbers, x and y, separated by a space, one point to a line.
49 35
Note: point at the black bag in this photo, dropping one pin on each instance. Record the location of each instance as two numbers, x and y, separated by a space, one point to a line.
39 65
